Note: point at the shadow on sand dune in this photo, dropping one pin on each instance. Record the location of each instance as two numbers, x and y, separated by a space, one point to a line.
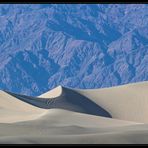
68 100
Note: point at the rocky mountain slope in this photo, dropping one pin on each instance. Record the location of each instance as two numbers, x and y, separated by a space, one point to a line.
78 46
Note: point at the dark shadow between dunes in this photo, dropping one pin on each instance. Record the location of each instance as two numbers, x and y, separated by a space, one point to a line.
68 100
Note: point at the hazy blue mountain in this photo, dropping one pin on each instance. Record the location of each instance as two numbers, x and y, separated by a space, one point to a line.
79 46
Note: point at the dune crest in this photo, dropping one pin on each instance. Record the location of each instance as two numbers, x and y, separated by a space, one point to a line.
56 92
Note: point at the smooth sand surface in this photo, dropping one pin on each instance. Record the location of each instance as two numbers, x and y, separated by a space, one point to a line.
126 102
116 115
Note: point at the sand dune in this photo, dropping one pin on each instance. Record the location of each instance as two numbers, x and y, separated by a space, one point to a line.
64 115
126 102
13 110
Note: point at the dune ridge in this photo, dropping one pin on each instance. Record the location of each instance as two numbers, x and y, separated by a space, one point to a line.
65 115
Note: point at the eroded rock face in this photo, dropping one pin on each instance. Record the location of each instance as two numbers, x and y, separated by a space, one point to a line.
79 46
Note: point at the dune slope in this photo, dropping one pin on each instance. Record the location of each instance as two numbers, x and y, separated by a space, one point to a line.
126 102
68 100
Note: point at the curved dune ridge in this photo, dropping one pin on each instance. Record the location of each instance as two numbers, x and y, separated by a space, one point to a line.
65 115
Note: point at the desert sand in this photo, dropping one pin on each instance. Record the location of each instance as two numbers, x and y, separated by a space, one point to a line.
115 115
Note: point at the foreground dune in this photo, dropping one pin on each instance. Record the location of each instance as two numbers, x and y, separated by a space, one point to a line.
64 115
126 102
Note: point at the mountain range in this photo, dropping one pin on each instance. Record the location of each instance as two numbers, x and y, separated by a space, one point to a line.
72 45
